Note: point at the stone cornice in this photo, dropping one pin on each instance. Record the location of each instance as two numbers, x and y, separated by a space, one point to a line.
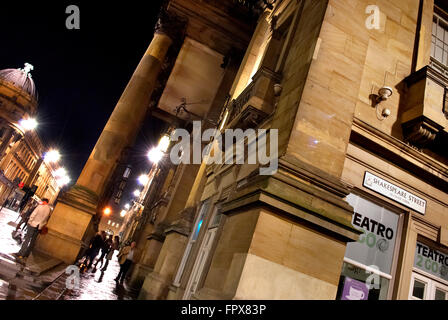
401 150
80 198
299 197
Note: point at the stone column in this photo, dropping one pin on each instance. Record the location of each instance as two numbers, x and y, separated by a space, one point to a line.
72 215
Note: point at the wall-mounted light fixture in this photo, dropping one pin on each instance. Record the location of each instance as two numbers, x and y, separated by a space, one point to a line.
384 93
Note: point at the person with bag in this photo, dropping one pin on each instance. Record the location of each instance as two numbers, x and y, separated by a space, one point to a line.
114 246
36 222
126 258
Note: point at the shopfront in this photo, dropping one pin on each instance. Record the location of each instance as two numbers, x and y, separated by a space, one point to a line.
403 251
429 279
370 263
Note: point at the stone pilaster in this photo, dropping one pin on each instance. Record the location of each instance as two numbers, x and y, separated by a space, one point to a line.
70 221
292 226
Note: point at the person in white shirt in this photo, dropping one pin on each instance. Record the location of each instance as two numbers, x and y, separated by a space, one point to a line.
38 219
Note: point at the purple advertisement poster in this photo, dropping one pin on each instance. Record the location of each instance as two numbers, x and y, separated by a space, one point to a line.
354 290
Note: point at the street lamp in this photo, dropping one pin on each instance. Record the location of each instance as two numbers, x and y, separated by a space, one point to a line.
164 143
137 193
61 172
127 206
52 156
156 154
123 213
28 124
143 179
107 211
62 181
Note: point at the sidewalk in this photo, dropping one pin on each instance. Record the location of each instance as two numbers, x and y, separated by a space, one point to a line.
44 278
20 282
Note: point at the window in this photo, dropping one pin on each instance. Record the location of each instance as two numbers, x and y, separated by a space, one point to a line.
197 227
425 288
368 263
430 273
439 40
127 172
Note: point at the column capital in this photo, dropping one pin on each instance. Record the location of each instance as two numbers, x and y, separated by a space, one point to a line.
170 24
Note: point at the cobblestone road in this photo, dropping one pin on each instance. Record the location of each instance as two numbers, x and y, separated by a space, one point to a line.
19 283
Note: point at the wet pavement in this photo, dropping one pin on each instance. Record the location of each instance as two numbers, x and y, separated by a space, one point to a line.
25 283
101 285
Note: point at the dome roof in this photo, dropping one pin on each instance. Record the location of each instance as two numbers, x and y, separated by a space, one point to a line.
20 78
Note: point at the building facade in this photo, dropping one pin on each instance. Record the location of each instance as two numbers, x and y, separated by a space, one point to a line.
21 148
350 97
352 160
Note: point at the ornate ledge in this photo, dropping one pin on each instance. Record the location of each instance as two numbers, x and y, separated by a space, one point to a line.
425 111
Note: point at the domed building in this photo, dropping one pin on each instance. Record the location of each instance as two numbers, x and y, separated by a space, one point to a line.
21 148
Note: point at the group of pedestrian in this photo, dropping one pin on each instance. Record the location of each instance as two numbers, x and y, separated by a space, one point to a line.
35 218
107 246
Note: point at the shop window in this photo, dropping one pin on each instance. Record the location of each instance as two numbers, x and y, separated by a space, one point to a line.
419 289
430 274
368 263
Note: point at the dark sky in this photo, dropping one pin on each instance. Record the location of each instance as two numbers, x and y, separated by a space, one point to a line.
79 74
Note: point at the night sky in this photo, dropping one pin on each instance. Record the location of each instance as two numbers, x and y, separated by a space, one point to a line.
80 74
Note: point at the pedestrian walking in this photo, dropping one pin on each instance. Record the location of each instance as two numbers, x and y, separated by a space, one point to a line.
25 216
37 220
126 258
95 246
104 250
114 246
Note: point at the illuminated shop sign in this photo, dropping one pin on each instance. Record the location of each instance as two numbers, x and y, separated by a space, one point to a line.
394 192
376 245
432 261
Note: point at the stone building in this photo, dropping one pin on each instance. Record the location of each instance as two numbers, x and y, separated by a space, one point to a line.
354 94
21 148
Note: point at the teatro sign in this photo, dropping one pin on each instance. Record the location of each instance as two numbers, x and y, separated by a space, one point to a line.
394 192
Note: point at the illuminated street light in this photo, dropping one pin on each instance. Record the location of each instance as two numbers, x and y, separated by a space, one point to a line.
155 155
164 143
137 193
107 211
52 156
143 179
62 181
127 206
61 172
28 124
123 213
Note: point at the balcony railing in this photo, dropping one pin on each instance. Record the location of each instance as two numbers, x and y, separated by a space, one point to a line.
257 101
